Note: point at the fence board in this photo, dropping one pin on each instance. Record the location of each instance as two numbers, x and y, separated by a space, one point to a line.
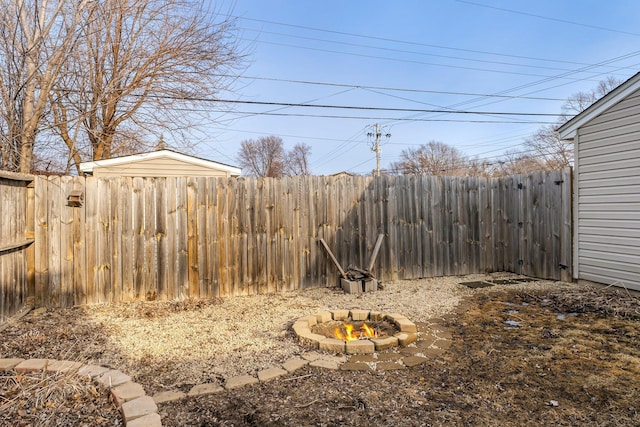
150 234
66 243
16 236
116 230
167 238
172 236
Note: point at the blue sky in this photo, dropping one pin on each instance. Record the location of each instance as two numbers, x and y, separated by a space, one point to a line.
443 54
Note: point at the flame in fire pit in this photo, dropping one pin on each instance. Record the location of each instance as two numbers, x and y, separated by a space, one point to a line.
347 332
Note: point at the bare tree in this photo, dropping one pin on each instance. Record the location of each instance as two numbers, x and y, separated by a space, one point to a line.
263 157
297 160
142 67
545 144
36 37
515 162
266 157
432 158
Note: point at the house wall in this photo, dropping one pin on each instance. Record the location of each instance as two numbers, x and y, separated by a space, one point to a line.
607 202
159 167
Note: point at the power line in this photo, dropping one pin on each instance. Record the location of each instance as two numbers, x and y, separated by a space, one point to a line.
401 119
413 43
407 61
356 86
351 107
394 50
548 18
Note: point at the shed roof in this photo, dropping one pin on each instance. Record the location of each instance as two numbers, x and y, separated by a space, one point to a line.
569 129
88 167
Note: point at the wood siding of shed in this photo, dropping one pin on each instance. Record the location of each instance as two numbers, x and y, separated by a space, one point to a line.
159 167
607 207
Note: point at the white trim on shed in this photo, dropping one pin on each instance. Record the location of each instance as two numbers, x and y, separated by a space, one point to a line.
606 214
161 163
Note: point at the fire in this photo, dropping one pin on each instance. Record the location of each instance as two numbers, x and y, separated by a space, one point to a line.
347 332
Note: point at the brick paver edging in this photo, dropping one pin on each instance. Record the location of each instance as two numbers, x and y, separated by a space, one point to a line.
434 340
407 331
137 409
140 410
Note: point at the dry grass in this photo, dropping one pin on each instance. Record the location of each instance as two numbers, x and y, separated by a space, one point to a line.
53 399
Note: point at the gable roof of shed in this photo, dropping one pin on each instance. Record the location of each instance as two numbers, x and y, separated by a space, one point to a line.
569 129
87 167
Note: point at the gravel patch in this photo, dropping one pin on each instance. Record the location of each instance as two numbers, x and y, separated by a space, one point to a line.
174 345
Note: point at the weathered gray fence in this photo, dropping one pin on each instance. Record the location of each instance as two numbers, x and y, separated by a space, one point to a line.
16 237
144 239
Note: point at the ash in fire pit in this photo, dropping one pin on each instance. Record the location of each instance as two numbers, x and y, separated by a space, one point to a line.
329 331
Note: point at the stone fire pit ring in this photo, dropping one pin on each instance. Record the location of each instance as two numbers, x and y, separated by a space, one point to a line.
407 331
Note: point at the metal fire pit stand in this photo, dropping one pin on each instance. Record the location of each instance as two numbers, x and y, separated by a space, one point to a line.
356 280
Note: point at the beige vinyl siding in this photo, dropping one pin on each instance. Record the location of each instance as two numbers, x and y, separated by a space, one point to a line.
159 167
608 196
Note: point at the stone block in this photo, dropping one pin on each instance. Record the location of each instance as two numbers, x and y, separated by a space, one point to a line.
445 335
443 344
384 343
9 364
113 378
92 370
323 316
369 285
360 347
294 364
432 352
325 364
126 392
406 338
412 361
338 359
31 365
359 314
426 341
388 357
240 381
168 396
203 389
301 327
340 314
137 408
410 351
271 374
377 316
351 286
362 358
151 420
333 345
388 366
392 317
355 366
405 325
311 339
63 366
311 356
311 320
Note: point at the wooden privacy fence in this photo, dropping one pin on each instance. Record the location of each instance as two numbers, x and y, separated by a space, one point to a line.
16 236
166 238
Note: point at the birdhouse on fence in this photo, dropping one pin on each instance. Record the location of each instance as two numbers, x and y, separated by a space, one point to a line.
75 199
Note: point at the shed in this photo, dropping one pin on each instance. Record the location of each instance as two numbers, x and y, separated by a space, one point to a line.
606 206
161 163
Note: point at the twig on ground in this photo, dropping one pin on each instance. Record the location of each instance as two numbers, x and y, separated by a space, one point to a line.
297 378
307 404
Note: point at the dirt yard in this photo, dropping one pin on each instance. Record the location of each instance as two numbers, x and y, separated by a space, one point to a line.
533 354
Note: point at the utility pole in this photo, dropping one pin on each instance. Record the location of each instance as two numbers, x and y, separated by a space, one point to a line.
376 143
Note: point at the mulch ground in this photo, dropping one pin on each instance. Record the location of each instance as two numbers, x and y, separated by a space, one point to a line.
517 358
